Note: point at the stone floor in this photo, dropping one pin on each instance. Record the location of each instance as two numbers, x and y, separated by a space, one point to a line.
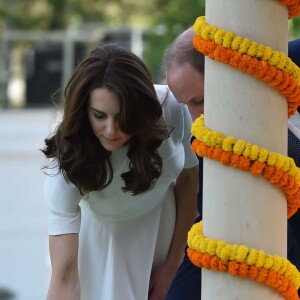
24 262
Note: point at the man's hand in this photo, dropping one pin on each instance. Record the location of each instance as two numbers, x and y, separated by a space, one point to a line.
160 281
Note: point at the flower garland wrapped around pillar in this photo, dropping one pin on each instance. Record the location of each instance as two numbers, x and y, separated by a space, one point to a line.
278 71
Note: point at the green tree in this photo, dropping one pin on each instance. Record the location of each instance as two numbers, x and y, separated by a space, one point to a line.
294 28
58 14
171 18
6 294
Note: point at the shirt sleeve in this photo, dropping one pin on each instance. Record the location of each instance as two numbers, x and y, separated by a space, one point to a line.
294 124
177 115
64 215
191 159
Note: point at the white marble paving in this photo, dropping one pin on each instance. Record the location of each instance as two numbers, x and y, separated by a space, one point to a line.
24 262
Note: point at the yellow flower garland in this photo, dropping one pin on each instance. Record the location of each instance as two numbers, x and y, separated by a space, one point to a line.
283 82
271 270
246 46
240 147
241 253
278 169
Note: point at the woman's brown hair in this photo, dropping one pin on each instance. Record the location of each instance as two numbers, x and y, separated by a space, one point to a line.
79 154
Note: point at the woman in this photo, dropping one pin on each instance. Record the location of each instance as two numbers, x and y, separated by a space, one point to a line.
122 183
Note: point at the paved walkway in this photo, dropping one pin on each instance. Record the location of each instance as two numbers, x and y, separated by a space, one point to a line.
24 262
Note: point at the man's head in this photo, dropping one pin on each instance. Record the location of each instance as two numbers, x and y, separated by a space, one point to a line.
184 67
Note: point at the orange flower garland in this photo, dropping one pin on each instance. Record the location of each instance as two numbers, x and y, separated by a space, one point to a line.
262 275
260 69
274 175
272 270
293 7
229 40
275 167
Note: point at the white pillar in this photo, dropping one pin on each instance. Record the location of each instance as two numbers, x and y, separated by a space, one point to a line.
238 207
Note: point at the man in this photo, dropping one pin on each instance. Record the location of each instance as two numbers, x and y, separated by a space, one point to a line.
185 78
294 152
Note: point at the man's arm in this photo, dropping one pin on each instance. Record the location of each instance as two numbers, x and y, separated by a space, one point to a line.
64 284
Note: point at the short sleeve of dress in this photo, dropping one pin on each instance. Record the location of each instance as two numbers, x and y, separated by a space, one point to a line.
177 115
63 199
191 159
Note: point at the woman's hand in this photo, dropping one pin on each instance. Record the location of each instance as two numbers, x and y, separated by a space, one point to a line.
64 284
160 281
185 189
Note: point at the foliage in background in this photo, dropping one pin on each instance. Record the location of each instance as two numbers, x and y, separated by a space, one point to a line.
6 294
172 18
294 28
58 14
162 20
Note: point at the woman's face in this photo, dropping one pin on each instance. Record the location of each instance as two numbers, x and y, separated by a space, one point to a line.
104 113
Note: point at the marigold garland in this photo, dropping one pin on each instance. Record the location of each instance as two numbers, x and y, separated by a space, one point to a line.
275 167
284 82
229 40
272 270
293 7
216 139
262 275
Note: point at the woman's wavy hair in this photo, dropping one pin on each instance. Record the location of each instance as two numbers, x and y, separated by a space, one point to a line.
77 151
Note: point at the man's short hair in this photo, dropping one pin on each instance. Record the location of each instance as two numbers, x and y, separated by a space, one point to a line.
182 51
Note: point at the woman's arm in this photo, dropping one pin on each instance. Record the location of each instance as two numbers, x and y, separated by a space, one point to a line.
186 189
64 284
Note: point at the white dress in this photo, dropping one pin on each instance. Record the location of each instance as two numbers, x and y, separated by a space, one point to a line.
123 237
